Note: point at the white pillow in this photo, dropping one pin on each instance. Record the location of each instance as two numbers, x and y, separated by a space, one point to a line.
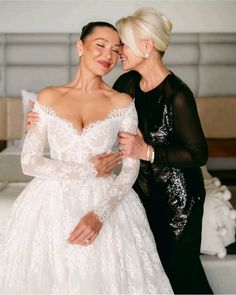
26 96
218 224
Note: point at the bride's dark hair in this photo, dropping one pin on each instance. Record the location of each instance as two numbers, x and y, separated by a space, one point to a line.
88 29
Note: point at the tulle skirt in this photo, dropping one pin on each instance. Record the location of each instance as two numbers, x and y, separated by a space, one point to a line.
36 258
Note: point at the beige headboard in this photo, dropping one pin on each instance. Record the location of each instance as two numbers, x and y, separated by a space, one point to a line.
217 114
11 118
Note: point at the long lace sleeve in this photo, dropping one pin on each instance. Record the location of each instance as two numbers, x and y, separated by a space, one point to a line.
34 164
128 174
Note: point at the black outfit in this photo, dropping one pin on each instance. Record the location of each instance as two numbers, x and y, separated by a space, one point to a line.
172 188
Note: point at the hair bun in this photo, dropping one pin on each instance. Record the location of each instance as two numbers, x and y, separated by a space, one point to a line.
167 23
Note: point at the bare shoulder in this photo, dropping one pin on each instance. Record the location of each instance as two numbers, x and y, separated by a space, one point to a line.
48 95
120 100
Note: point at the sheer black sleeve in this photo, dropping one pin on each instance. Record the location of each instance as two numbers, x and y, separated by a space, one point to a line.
191 150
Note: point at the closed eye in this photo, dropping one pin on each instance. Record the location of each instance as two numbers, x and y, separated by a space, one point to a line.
116 50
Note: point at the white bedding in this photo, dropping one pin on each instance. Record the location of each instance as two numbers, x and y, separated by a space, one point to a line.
10 165
15 149
12 150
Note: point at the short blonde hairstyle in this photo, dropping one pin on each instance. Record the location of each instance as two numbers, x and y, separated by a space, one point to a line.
145 23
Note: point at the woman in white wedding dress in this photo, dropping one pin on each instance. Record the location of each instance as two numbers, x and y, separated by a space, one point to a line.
71 231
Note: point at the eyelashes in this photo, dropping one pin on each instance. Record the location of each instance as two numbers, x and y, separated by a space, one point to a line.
103 46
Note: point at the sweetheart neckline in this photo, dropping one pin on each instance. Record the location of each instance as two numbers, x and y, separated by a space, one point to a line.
112 114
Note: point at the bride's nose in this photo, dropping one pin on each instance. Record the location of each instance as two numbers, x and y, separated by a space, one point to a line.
107 54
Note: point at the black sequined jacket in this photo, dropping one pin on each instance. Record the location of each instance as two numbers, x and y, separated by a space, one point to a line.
169 121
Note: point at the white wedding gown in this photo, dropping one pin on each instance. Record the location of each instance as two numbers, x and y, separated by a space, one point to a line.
35 256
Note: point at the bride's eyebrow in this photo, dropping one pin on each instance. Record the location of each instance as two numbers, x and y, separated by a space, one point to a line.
105 40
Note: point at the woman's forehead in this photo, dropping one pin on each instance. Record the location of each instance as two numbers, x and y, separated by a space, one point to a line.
106 34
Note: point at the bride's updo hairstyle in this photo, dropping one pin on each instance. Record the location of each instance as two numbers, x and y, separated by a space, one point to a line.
145 23
89 28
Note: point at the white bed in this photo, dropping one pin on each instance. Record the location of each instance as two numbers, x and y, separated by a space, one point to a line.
10 166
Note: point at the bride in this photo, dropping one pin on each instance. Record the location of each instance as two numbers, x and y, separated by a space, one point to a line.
71 231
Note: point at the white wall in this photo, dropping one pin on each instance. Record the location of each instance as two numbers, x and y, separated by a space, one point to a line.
69 16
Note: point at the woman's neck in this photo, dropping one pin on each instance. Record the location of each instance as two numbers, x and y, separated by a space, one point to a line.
152 72
86 81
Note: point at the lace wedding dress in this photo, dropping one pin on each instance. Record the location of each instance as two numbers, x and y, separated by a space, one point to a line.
35 256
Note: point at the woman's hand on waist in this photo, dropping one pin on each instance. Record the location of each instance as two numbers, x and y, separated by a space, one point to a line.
106 162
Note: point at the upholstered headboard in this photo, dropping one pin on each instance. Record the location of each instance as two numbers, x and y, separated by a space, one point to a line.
11 117
206 62
217 114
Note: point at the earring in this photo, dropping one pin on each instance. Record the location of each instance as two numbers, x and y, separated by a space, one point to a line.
146 55
80 54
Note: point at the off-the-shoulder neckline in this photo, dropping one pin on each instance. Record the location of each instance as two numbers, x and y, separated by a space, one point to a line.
49 110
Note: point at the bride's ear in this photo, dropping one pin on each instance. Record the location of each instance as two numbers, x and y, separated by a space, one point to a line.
79 47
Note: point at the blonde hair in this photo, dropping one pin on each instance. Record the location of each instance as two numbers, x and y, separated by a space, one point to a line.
145 23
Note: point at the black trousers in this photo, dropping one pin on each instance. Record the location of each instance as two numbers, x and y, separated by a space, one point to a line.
180 258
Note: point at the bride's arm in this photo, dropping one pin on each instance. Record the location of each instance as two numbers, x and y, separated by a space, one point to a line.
127 176
90 225
34 164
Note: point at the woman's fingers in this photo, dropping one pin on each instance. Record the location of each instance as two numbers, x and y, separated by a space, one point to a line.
105 162
112 163
115 157
31 119
110 168
84 236
104 155
124 134
88 238
88 226
90 241
76 233
32 115
31 103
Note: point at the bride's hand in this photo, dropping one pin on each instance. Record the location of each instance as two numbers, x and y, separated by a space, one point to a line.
86 231
106 162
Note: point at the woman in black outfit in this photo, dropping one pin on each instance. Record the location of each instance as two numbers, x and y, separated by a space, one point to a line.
171 146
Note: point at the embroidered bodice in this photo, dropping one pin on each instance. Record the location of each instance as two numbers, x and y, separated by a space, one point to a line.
71 150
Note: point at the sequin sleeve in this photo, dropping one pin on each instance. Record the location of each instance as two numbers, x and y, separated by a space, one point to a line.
191 147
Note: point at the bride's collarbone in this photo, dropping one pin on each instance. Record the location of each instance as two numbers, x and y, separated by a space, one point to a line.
81 117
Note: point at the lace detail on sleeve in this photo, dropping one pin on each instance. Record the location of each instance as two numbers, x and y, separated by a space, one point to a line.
34 164
128 174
